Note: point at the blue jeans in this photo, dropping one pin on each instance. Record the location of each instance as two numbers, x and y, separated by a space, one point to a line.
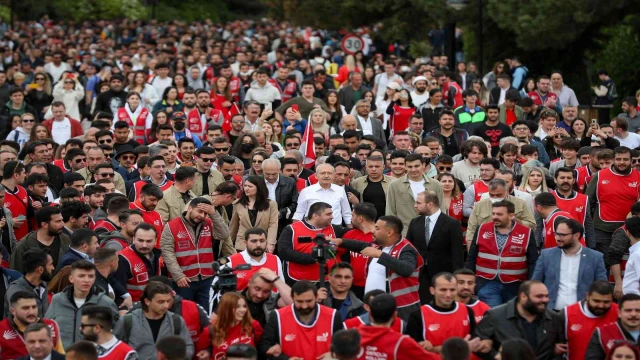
495 292
197 291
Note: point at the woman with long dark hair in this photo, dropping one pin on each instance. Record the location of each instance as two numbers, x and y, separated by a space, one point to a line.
147 92
170 101
180 83
254 209
159 118
490 79
39 94
400 111
243 148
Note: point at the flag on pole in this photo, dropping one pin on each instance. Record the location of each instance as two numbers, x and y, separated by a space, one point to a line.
307 147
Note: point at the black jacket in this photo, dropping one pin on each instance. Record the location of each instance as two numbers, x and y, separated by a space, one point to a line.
595 350
494 95
503 323
287 200
54 356
69 257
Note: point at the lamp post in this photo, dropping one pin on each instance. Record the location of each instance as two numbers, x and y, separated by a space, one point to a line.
459 5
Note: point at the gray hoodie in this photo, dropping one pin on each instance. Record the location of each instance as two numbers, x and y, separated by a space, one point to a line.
264 95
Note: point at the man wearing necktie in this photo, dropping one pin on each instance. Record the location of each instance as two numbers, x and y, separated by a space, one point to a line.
438 238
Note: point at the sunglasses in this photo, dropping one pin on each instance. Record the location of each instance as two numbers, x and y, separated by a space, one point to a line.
128 157
28 120
207 159
107 141
111 175
79 161
221 149
445 168
292 144
635 161
257 161
108 155
40 79
559 137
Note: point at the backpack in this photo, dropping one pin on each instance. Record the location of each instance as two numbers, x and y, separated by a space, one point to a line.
128 324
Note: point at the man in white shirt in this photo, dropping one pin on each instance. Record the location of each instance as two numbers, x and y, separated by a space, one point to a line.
61 124
56 67
257 254
420 95
162 80
327 192
381 80
631 279
620 127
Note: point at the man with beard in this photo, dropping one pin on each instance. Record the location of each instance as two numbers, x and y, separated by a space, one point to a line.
583 317
140 261
573 202
121 137
84 243
74 160
39 270
338 295
189 100
181 130
612 192
49 236
146 204
187 249
585 173
419 95
207 179
202 115
489 167
503 253
549 214
466 280
303 330
17 198
492 130
115 205
24 312
524 317
255 254
95 157
569 113
186 148
128 221
624 329
114 98
568 269
157 176
94 197
97 322
451 318
126 158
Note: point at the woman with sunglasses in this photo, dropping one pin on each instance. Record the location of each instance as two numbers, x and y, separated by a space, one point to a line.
21 134
70 92
39 94
552 142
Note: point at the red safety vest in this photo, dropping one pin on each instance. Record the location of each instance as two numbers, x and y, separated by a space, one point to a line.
18 203
508 266
356 322
305 341
458 101
309 272
583 176
358 261
480 188
537 97
289 90
549 228
245 275
579 328
616 194
576 206
140 125
12 341
198 126
193 259
105 224
608 334
119 351
191 317
301 184
404 289
150 217
455 208
139 273
377 342
60 164
137 186
437 327
479 308
122 243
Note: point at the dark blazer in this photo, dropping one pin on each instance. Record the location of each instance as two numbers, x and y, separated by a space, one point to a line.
548 271
445 251
376 127
286 198
494 95
68 258
54 356
305 174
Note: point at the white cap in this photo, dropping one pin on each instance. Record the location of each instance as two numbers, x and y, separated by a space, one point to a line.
393 85
419 78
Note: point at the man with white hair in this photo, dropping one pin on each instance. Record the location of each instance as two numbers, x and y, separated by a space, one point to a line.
325 191
282 190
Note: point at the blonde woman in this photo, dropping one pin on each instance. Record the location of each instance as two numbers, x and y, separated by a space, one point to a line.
533 181
276 127
319 122
39 94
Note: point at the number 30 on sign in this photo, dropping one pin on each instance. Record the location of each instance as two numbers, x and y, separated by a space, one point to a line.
352 43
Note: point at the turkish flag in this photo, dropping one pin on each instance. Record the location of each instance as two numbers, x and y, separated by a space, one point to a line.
226 125
307 147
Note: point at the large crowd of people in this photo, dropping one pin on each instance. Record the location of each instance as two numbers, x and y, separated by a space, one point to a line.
249 190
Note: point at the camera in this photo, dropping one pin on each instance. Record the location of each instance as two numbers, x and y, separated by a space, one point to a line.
227 279
322 252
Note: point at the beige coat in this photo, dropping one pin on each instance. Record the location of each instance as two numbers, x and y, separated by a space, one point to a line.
266 220
400 200
171 205
215 178
118 180
482 213
361 183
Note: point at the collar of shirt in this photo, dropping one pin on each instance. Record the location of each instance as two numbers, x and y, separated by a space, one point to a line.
362 119
47 358
109 344
574 255
635 247
83 255
249 260
333 187
274 184
434 217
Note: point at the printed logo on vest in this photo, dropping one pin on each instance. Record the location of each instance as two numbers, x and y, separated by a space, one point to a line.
478 318
290 337
206 231
434 327
488 235
323 338
10 334
576 327
605 182
518 239
157 222
580 209
465 322
138 268
184 244
633 184
142 278
183 234
610 344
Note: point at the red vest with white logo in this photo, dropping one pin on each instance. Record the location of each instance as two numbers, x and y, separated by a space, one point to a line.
305 341
12 343
104 224
537 97
119 351
236 335
508 266
480 188
139 273
458 101
289 89
356 322
60 164
150 217
405 289
191 317
583 177
193 260
17 203
198 126
549 229
137 187
576 206
358 261
437 327
609 333
479 308
245 275
579 328
309 272
139 126
616 194
455 208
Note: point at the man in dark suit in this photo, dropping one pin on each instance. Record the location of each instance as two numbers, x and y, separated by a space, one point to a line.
38 340
440 245
364 116
282 190
500 91
83 246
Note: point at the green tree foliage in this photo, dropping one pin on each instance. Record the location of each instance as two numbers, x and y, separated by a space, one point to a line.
99 9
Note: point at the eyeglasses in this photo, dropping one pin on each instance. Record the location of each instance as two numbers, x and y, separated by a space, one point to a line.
106 141
69 82
447 168
207 159
521 128
159 167
28 120
257 161
128 157
434 83
82 326
108 155
79 161
559 137
111 175
557 234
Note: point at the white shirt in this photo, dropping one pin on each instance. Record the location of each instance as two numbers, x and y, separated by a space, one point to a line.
567 291
417 187
503 92
631 279
249 260
367 126
334 196
632 140
418 99
272 188
377 276
432 222
47 358
382 80
160 84
61 130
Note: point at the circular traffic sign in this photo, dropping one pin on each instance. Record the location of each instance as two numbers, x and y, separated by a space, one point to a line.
352 43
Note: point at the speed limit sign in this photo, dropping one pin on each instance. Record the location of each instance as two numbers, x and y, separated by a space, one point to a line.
352 43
